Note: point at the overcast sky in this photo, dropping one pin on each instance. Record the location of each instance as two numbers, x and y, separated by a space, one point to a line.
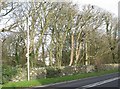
109 5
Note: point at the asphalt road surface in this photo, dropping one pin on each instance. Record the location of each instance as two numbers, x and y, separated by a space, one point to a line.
109 81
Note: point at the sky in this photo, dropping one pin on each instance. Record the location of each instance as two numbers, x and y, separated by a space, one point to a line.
109 5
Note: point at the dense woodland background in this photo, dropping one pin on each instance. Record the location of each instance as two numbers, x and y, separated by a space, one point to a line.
61 34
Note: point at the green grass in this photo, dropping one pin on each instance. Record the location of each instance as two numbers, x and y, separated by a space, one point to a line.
39 82
0 86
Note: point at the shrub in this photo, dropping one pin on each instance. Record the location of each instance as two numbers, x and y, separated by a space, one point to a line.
53 72
38 73
7 73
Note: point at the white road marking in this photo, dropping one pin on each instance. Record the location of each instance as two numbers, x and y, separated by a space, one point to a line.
73 80
100 83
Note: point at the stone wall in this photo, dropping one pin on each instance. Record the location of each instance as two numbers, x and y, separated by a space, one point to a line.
39 73
110 66
35 73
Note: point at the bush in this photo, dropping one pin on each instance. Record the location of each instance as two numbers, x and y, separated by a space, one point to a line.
7 73
38 73
53 72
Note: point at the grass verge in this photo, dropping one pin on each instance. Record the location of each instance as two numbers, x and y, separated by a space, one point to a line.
31 83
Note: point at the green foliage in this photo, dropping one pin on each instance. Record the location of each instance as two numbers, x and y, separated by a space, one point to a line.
7 73
65 58
55 80
53 72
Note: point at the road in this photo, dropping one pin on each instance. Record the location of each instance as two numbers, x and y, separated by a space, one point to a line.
109 80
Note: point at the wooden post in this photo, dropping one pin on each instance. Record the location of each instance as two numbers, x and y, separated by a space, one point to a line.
28 46
0 61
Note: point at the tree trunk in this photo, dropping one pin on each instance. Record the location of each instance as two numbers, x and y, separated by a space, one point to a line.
86 50
1 50
72 50
43 53
51 54
50 57
16 54
78 53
